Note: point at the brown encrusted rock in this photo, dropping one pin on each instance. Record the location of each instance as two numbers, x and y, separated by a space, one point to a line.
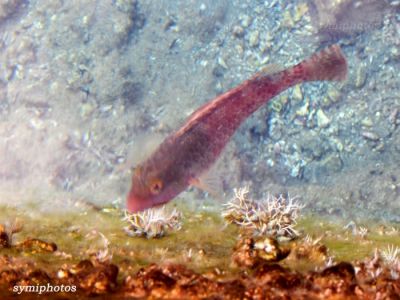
6 233
34 277
338 279
4 239
374 279
310 251
21 271
9 277
37 245
92 278
244 254
178 282
251 252
271 281
277 277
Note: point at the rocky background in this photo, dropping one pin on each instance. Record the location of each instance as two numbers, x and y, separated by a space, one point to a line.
85 84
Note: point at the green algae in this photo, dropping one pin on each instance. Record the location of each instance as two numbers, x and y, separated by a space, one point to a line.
204 243
343 244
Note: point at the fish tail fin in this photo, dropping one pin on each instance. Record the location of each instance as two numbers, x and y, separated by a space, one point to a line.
328 64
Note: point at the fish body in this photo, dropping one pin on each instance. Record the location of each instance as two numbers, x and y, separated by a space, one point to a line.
192 149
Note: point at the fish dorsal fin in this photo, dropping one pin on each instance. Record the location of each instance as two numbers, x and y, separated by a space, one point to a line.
268 70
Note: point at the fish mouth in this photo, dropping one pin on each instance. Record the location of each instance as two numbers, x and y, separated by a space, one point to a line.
134 206
137 205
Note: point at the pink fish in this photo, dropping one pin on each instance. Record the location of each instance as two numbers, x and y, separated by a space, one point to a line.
191 150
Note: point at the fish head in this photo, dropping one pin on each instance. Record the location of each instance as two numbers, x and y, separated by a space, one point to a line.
148 189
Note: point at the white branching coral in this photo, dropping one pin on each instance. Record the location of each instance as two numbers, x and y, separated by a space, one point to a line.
384 261
104 255
152 223
100 249
273 216
391 255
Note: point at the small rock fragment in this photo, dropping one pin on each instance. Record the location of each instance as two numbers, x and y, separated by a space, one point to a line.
254 38
322 119
303 111
369 135
245 21
361 77
238 31
367 122
393 116
297 93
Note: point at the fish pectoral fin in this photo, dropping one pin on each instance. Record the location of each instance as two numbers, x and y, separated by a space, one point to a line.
210 184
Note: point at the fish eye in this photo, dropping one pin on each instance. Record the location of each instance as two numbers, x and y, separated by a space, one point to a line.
156 186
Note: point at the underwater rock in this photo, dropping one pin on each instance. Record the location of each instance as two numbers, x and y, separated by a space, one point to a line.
270 250
238 31
303 111
333 95
33 245
8 8
178 282
218 71
254 38
322 119
367 122
34 277
7 231
19 271
360 76
311 250
244 254
36 245
297 93
366 280
338 279
250 252
4 238
274 276
93 278
369 135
